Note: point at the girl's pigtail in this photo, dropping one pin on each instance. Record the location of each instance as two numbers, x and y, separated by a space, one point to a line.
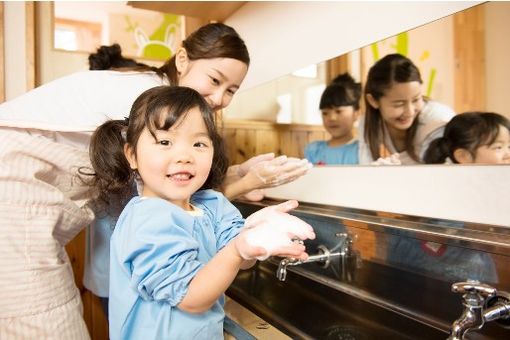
438 151
113 178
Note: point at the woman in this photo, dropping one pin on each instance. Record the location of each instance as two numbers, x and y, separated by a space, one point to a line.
44 137
398 119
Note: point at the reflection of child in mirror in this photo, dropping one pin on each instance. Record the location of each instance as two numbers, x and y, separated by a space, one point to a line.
472 137
339 105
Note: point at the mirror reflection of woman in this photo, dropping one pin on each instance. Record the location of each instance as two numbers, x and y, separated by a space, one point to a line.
398 119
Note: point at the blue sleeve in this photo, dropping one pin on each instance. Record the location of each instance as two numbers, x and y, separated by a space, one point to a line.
157 247
228 221
311 151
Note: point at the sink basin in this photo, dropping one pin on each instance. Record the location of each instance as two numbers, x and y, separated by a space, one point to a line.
303 308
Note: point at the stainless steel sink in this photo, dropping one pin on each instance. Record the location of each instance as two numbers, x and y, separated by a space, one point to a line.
303 308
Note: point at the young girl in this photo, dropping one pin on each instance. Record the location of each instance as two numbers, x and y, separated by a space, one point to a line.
178 246
398 119
340 108
212 60
472 137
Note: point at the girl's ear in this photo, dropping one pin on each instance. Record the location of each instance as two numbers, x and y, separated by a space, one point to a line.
181 60
371 101
130 156
463 156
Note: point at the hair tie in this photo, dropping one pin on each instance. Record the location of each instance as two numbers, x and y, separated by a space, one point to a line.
126 121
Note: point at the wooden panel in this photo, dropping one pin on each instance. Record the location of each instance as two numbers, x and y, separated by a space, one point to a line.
469 54
30 44
266 141
337 66
2 58
92 310
245 139
220 11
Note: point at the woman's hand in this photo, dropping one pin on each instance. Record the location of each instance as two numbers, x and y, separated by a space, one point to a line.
260 172
275 172
271 232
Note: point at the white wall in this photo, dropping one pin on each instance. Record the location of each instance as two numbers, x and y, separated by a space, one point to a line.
285 36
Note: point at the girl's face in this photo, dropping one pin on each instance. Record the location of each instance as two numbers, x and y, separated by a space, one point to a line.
217 80
497 152
338 121
400 105
177 163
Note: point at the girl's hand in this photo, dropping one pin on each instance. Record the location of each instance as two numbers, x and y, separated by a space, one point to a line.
271 232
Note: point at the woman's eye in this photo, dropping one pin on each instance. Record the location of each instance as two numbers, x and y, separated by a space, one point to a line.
164 142
215 81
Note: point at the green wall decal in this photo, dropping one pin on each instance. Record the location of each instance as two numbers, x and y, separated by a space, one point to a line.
432 76
401 46
160 44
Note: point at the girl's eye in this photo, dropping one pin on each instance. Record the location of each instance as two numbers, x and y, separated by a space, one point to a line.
200 145
164 142
231 92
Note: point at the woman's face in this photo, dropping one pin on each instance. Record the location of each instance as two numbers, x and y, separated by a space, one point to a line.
400 105
497 152
217 80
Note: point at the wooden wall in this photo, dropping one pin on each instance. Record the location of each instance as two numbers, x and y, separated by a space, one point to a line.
246 139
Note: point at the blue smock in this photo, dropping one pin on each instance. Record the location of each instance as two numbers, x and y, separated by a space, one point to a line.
320 153
156 249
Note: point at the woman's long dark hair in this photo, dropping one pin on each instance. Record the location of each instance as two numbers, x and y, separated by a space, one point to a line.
393 68
157 108
210 41
468 131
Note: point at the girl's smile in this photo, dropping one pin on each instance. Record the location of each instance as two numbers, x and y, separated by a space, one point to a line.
176 163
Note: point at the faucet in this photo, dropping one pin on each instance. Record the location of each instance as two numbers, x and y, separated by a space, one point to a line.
482 303
323 256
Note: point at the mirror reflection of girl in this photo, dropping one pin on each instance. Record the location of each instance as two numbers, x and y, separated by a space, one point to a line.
339 106
472 138
398 119
177 247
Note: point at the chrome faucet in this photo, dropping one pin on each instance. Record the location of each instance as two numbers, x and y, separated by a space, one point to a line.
482 303
323 256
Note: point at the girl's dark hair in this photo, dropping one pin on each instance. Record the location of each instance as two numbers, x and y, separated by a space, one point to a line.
210 41
393 68
158 108
342 91
469 131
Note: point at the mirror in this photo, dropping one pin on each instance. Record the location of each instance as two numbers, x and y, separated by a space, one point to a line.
461 59
142 34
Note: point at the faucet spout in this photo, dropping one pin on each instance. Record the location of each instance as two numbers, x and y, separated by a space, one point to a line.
475 296
323 256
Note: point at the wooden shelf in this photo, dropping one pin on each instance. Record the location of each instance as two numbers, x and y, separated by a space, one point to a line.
210 10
